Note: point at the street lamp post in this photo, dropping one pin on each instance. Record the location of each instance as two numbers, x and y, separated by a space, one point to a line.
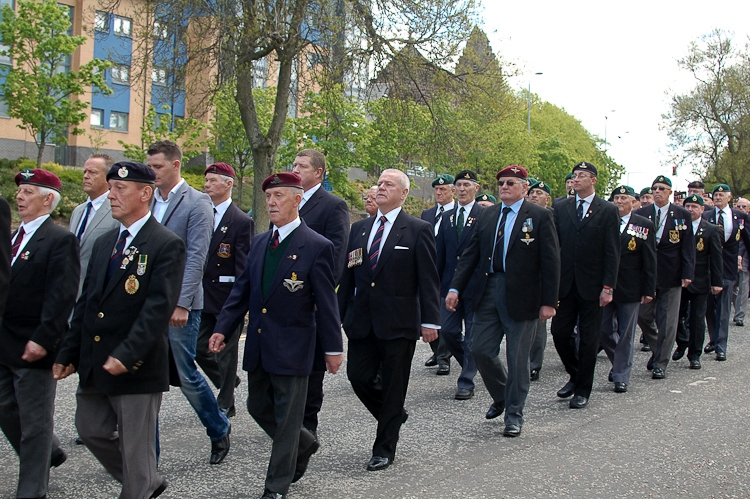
528 98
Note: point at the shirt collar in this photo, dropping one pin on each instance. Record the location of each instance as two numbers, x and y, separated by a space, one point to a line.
696 224
588 199
466 208
391 215
287 229
309 193
171 192
99 201
222 207
446 207
515 206
31 227
136 226
625 218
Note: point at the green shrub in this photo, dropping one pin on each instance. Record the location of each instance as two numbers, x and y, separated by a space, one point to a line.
196 181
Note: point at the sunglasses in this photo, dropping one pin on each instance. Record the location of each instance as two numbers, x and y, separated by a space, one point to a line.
510 183
659 188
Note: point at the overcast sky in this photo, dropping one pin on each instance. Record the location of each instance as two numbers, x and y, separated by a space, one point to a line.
612 59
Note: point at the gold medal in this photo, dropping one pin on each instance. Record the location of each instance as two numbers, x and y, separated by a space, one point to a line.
631 244
674 236
700 245
132 285
738 236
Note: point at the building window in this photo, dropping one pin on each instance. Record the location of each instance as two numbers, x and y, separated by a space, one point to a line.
4 57
159 76
97 118
160 30
121 74
123 26
3 109
118 121
101 22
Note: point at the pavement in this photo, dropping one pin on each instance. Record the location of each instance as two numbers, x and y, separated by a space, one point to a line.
685 436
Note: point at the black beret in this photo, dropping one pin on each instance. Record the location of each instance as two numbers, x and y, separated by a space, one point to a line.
131 172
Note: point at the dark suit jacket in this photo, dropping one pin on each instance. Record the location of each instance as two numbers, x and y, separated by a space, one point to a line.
675 252
109 321
589 255
41 295
731 248
227 254
532 270
281 331
637 274
450 248
403 292
4 254
708 259
329 216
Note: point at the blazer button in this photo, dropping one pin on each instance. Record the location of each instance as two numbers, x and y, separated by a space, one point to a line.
100 315
458 257
97 339
372 284
263 310
218 265
258 330
213 280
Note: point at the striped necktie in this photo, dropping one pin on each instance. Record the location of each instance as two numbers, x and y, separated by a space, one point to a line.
375 246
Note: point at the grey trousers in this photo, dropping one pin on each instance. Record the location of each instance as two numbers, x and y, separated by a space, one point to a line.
717 316
277 404
27 407
491 323
658 321
120 431
618 333
740 295
537 347
220 368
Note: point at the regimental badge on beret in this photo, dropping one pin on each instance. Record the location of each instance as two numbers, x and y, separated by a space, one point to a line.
441 181
720 189
467 175
583 166
275 180
27 174
541 184
484 197
660 179
122 172
515 170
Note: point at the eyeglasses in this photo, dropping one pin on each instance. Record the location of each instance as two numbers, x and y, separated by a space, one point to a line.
510 183
580 175
659 188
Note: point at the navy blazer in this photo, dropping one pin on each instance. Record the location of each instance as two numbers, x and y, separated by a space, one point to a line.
450 248
127 321
41 295
731 247
532 263
402 293
281 330
227 254
589 253
708 259
675 251
4 254
328 215
637 273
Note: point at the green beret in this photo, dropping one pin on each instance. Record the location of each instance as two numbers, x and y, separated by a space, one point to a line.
531 180
623 189
538 184
569 176
661 179
444 179
646 190
694 198
722 188
486 197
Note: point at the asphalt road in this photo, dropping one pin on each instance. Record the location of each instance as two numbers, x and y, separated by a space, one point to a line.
685 436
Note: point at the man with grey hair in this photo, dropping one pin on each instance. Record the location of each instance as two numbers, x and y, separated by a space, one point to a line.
391 283
41 295
741 284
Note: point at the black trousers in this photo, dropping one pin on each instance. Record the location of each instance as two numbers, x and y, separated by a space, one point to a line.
385 402
694 335
579 361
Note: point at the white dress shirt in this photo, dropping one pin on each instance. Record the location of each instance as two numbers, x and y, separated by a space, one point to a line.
160 207
28 232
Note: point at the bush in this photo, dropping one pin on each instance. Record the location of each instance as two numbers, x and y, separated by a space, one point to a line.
196 181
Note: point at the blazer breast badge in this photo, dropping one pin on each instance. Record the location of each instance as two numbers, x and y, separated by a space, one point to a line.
293 284
631 244
132 285
224 250
700 246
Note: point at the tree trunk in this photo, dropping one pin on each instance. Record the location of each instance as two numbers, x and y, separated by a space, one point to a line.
40 153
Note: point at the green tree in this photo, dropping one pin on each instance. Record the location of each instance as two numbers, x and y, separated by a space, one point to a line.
709 126
39 90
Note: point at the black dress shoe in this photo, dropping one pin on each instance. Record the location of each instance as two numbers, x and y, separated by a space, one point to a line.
220 448
464 394
511 430
79 441
304 459
567 390
443 370
645 347
432 361
237 382
229 412
695 364
721 356
161 488
678 353
578 402
378 463
650 363
495 410
739 323
708 348
534 375
609 377
621 387
57 458
658 373
267 494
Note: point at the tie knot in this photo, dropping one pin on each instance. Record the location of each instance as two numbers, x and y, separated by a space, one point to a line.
506 210
124 234
441 210
462 209
580 202
383 220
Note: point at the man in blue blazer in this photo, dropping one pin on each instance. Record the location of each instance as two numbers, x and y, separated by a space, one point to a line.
230 243
189 214
457 227
287 281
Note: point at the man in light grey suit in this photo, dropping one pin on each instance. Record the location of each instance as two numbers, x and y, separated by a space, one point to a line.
189 214
94 217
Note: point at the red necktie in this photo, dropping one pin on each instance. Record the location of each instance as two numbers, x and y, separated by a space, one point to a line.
274 240
17 244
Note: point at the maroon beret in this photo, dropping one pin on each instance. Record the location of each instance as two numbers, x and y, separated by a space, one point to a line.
220 169
512 171
282 179
39 177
